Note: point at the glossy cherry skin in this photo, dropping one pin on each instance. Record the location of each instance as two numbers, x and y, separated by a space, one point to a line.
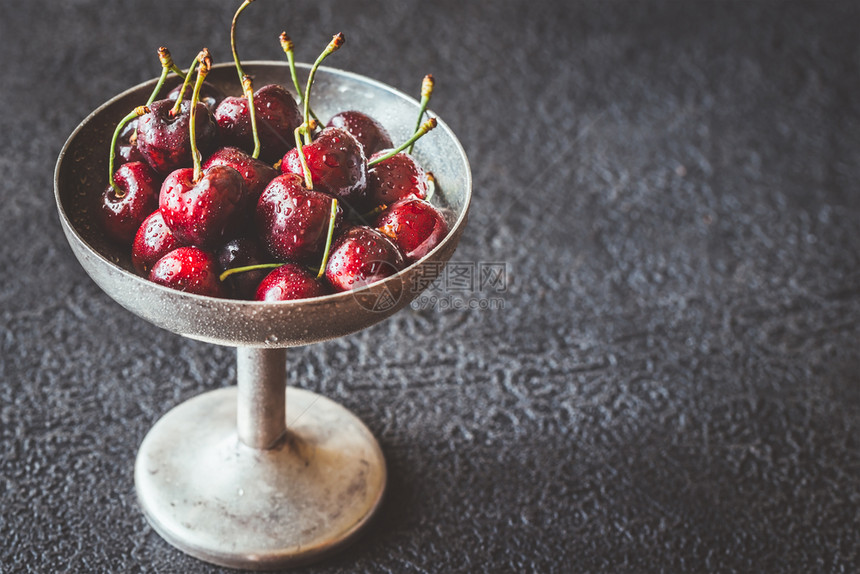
336 161
369 132
164 140
415 226
257 174
242 252
126 144
361 256
293 221
289 282
206 212
153 241
122 216
188 269
395 178
277 117
210 96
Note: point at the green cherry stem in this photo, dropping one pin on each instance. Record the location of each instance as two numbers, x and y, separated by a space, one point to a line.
309 182
336 42
181 96
287 46
138 111
328 239
202 71
248 88
425 127
426 91
233 38
245 79
234 270
167 66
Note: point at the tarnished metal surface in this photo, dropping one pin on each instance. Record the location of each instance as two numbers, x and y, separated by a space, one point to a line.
81 172
213 497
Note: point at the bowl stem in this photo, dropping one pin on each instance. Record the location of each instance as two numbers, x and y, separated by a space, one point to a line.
261 411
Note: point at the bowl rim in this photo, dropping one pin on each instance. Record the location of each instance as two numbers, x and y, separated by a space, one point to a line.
332 297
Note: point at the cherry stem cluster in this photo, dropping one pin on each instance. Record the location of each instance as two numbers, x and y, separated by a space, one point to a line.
234 270
336 42
425 127
202 71
426 91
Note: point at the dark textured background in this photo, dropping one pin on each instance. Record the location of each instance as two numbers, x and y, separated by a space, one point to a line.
673 382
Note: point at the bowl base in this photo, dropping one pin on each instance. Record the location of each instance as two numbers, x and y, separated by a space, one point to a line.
218 500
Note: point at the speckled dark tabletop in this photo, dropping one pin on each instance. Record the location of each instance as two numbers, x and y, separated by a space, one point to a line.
668 381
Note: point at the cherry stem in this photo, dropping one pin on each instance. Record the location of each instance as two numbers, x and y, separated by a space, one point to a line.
235 270
167 66
248 88
181 95
426 91
336 42
287 46
328 239
425 127
233 39
138 111
202 71
309 182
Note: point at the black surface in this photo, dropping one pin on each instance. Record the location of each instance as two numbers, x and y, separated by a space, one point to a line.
672 384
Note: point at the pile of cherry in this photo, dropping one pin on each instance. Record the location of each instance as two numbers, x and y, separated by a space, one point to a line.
204 209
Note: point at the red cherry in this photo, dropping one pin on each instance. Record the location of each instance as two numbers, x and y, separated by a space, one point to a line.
257 174
288 282
395 178
207 211
414 225
188 269
369 133
277 116
361 256
292 220
164 139
121 216
126 145
153 241
336 162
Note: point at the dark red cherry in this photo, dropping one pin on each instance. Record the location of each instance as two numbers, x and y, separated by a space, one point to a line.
122 216
292 220
205 212
164 139
257 174
188 269
361 256
288 282
277 116
336 161
210 96
415 226
369 132
242 252
153 241
395 178
126 145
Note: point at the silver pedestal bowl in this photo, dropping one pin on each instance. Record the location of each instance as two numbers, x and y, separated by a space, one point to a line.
259 475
